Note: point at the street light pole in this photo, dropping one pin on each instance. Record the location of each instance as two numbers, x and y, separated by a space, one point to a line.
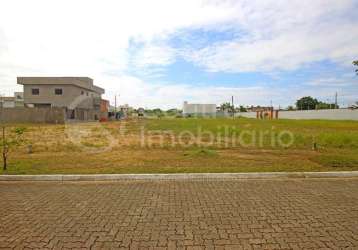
233 107
3 148
1 108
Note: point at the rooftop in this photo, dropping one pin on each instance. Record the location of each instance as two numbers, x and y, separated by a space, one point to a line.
82 82
7 98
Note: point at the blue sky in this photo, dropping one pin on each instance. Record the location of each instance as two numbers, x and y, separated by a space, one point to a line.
161 53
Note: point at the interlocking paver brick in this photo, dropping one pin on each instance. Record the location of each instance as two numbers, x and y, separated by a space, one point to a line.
180 214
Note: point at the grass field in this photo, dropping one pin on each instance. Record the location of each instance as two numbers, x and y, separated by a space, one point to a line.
187 145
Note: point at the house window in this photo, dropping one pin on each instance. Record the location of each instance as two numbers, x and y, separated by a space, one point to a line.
87 93
58 91
82 92
35 91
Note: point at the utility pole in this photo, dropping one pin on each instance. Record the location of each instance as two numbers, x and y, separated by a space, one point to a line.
1 108
232 106
336 101
3 135
115 103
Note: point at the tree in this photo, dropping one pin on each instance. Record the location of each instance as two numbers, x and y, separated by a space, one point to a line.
356 64
324 105
306 103
226 107
290 108
7 143
157 111
242 109
172 112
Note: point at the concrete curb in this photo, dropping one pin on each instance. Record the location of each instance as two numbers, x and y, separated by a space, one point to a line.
118 177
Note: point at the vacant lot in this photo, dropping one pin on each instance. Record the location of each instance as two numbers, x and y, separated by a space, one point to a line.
187 145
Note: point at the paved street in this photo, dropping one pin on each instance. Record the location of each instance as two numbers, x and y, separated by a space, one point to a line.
182 214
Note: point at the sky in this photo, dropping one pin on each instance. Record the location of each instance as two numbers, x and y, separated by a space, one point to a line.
161 53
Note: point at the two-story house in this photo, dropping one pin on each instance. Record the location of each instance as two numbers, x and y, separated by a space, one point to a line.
78 95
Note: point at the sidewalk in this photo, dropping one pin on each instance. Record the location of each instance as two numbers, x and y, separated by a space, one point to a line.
116 177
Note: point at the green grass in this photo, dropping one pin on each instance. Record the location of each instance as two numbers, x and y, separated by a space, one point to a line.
55 152
327 134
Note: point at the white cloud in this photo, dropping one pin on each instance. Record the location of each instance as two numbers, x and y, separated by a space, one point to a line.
153 55
93 38
141 94
284 35
90 38
288 51
333 82
168 95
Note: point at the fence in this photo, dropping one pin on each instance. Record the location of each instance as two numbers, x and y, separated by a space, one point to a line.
322 114
32 115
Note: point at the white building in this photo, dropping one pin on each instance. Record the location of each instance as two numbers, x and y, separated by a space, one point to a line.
199 109
126 109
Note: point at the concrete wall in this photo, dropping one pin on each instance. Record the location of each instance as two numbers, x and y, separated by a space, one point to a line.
246 114
11 104
83 115
323 114
8 104
32 115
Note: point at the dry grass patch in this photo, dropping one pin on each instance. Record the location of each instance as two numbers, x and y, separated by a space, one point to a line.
117 147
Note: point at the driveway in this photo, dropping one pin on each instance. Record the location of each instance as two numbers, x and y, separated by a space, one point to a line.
181 214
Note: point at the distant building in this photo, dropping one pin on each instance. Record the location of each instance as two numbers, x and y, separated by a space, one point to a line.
78 95
125 109
354 106
140 111
12 101
7 102
121 111
104 109
198 109
19 99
